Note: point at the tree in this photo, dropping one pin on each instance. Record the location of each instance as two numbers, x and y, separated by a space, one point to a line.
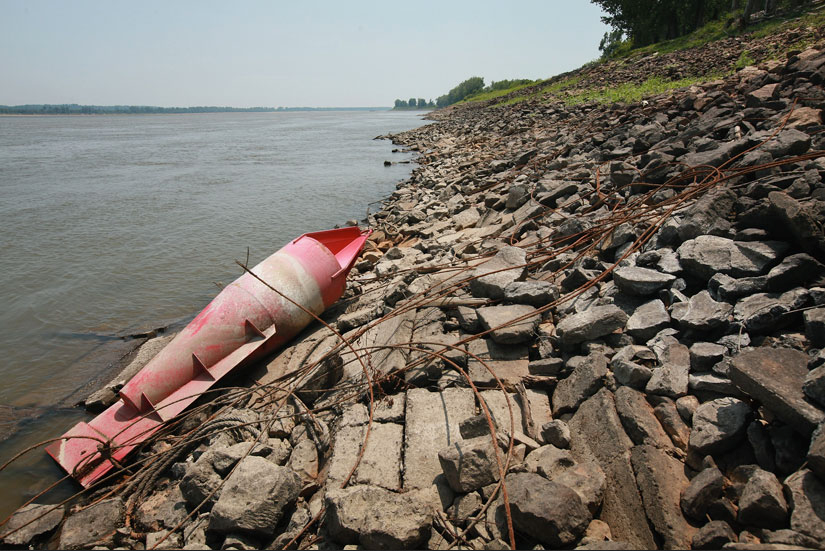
422 103
400 104
411 103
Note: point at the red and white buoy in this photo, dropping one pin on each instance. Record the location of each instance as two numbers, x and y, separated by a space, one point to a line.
243 323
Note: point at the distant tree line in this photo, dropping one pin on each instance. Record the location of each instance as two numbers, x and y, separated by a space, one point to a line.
646 22
473 86
414 103
75 109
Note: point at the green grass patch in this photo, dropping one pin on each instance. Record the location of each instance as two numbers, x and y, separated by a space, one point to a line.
553 86
484 96
631 92
744 60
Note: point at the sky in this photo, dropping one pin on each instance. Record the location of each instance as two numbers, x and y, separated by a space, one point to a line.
271 53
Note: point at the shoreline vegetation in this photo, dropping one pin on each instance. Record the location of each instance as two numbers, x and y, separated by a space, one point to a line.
76 109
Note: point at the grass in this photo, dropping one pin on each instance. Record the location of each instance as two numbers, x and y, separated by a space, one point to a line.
744 60
484 96
631 92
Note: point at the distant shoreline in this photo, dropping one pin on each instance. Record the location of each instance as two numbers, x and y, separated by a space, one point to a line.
91 110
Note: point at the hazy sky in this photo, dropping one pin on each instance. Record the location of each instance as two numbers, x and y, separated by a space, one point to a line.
292 53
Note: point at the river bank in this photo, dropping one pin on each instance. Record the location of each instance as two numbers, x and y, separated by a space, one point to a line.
575 325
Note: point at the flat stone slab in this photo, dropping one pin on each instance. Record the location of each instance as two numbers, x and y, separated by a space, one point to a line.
709 254
503 317
510 362
774 377
381 462
634 280
593 323
432 420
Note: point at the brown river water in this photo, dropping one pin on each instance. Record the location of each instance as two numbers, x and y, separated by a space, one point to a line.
111 225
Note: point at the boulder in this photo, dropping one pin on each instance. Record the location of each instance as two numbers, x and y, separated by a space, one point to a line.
630 373
714 535
708 255
254 498
31 522
593 323
534 293
556 433
92 526
638 418
815 327
701 312
795 270
377 518
806 498
761 502
634 280
585 380
768 311
647 320
470 464
704 489
718 425
799 221
547 511
491 278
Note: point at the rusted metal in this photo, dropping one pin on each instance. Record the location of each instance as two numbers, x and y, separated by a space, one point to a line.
245 322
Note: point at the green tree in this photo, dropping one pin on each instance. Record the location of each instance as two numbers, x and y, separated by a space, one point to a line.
422 103
400 104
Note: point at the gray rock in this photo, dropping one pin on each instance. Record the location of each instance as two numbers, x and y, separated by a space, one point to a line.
774 377
517 195
634 280
31 522
708 255
713 535
815 327
647 320
806 497
789 538
586 479
631 374
377 518
556 433
711 382
814 385
794 271
534 293
200 483
469 464
164 540
661 480
704 355
672 422
509 331
728 289
686 406
768 311
547 511
760 442
596 435
704 489
701 312
705 214
593 323
254 498
761 502
718 425
799 221
162 509
93 526
549 367
585 380
467 319
669 380
476 426
816 452
491 278
638 418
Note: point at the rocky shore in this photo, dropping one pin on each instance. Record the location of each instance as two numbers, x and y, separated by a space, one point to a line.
575 326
